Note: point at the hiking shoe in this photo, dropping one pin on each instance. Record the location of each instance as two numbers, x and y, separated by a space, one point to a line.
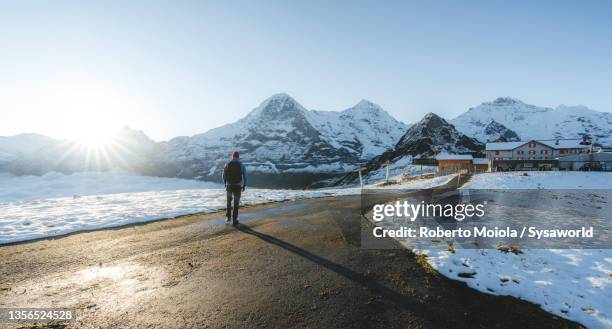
228 220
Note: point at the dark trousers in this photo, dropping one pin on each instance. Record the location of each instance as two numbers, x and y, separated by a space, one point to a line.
233 192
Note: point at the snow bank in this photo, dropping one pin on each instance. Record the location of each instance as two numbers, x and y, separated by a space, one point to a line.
573 283
54 204
25 220
416 184
397 169
541 180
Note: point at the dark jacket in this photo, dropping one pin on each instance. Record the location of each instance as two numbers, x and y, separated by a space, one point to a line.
244 176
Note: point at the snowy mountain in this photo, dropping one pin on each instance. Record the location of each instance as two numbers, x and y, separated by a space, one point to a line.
432 135
285 145
24 143
533 122
281 136
128 150
426 138
491 130
278 136
13 147
364 128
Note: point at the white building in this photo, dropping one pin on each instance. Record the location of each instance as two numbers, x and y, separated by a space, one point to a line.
533 154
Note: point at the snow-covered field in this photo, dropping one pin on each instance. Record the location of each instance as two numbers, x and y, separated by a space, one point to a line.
572 283
541 180
54 204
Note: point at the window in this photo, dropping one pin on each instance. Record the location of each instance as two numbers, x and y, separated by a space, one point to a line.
532 152
543 151
496 152
520 152
563 151
532 145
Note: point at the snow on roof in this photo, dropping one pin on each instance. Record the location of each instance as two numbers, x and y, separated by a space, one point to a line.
563 143
503 146
446 156
480 161
554 143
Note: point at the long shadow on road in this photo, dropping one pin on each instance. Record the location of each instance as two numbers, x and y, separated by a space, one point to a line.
400 300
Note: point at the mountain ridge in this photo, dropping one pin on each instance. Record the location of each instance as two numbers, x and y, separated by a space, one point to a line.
280 137
534 122
428 137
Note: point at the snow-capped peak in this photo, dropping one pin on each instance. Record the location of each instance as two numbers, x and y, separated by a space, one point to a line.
366 104
535 122
277 103
429 116
279 97
365 129
365 109
431 135
505 101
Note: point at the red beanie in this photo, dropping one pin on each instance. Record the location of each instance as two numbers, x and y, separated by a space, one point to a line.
235 154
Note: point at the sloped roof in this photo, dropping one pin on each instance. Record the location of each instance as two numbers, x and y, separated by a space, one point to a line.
563 143
480 161
446 156
553 143
503 146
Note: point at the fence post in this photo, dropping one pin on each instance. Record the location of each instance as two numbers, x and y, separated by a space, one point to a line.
387 176
360 179
358 170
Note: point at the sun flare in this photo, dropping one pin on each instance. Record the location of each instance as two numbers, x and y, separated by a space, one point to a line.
95 139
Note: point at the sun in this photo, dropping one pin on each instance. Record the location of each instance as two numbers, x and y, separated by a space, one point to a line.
95 138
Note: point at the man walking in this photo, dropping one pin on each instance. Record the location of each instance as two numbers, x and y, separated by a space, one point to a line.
234 178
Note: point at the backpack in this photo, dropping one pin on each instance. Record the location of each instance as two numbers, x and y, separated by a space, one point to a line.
233 173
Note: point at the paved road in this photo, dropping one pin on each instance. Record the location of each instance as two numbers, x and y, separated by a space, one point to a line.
296 264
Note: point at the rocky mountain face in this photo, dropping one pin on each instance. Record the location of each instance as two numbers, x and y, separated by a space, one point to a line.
426 138
281 136
432 135
490 131
513 117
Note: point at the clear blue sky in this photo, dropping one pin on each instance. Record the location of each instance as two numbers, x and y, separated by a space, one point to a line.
180 68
